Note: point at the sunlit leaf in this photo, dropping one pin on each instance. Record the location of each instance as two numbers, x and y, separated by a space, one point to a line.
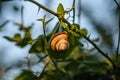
75 27
65 27
75 34
60 11
84 31
108 62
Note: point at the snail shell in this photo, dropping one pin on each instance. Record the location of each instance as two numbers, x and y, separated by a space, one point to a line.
59 42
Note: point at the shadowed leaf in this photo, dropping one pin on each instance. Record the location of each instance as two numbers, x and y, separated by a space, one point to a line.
38 46
26 75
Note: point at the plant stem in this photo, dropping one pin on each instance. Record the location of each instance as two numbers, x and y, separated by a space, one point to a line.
41 6
117 4
43 70
99 50
73 11
68 23
118 44
28 62
3 24
22 16
79 12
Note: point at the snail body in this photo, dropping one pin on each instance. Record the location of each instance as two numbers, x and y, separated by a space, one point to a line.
59 42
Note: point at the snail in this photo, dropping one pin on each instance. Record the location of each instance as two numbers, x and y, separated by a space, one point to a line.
59 42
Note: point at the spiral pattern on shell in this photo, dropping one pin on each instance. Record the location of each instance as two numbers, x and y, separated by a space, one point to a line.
59 42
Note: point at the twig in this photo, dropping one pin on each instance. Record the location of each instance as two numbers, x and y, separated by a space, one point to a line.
44 29
43 71
41 6
3 24
28 62
61 72
99 50
73 11
117 4
79 10
40 59
118 44
22 15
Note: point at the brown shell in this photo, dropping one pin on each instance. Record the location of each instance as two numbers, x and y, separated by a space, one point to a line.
59 41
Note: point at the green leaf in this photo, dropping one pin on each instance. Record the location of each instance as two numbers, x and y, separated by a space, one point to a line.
38 46
95 66
65 27
75 27
39 19
16 38
75 34
49 20
27 37
84 31
72 67
60 11
26 75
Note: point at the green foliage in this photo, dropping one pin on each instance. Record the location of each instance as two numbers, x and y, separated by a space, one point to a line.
21 41
60 11
38 45
26 75
16 38
67 64
83 32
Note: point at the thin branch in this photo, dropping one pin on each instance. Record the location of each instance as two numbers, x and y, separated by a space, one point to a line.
22 15
79 10
73 11
117 4
41 6
3 24
43 71
44 29
28 62
118 44
68 23
99 50
61 72
40 59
